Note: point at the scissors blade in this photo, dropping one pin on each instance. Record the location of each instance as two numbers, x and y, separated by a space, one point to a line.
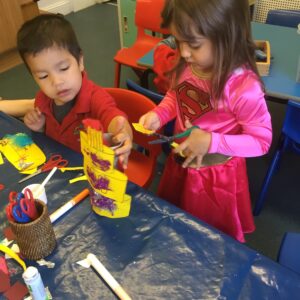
159 141
30 176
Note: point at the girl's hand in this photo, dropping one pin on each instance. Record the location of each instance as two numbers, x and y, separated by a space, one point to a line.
35 120
194 147
150 121
122 134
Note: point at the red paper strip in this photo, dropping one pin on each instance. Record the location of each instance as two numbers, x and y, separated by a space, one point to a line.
17 291
4 282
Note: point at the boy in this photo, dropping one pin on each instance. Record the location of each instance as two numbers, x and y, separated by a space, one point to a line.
50 51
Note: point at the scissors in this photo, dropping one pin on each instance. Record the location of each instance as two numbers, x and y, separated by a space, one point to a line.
171 139
27 205
13 210
54 161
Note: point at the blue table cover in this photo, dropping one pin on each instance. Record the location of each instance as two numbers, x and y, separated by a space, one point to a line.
158 252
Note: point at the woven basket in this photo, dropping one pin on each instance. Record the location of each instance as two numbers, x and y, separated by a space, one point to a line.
36 239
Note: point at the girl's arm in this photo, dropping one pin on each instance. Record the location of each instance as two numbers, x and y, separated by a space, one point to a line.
249 107
16 108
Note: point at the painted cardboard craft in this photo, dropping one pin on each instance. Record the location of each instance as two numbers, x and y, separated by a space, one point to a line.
22 152
108 184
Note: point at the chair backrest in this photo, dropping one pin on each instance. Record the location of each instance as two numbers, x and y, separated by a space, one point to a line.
135 105
133 86
147 15
262 7
282 17
291 124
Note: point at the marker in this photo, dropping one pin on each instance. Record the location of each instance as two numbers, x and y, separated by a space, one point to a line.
67 206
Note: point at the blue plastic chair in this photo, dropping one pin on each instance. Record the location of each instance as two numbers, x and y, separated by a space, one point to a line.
288 254
283 17
133 86
290 138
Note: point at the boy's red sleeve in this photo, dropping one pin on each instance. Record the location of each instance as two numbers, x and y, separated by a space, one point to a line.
164 60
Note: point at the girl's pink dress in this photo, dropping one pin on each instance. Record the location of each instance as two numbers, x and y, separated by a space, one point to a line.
240 127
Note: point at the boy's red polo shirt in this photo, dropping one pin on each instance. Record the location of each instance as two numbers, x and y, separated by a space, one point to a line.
91 102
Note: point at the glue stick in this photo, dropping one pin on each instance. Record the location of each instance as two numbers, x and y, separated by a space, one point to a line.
35 285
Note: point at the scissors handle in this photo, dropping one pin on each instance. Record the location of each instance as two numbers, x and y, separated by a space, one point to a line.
54 161
185 133
19 215
27 204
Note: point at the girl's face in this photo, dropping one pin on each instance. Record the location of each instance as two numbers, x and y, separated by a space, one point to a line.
57 73
198 51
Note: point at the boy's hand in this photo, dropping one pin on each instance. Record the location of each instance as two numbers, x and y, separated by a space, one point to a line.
122 134
150 121
194 147
35 120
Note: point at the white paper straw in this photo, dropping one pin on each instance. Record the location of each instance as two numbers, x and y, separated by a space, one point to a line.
102 271
39 189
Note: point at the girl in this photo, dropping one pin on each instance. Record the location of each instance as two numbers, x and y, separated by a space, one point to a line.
215 86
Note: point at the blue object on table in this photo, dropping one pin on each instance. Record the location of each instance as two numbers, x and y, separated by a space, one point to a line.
283 17
14 211
290 137
288 254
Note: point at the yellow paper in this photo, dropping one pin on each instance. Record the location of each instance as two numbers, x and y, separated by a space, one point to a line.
20 151
122 211
13 255
70 169
109 184
138 127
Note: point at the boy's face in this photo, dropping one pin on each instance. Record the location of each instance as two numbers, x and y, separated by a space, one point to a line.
57 73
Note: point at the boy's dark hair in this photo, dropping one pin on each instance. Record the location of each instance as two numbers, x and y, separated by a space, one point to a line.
45 31
225 23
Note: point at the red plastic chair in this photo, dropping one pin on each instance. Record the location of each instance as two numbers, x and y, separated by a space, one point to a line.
141 166
147 17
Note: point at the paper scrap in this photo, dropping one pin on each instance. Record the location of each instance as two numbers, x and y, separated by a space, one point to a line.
140 128
84 263
48 264
16 292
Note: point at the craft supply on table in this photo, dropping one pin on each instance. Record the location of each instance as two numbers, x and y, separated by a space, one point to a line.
107 277
35 239
13 255
35 285
108 195
38 190
38 196
21 207
20 150
54 161
67 206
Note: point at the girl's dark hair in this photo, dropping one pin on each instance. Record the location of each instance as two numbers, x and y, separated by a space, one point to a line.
45 31
226 23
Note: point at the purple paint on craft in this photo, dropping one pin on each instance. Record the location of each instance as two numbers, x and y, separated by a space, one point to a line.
101 184
103 202
103 164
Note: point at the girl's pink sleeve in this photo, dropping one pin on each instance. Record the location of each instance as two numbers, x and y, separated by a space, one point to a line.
166 110
249 108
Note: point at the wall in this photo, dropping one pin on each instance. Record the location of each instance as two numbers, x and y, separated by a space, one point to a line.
66 6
